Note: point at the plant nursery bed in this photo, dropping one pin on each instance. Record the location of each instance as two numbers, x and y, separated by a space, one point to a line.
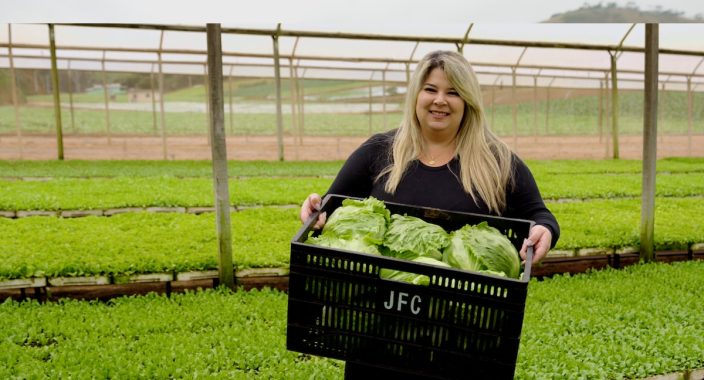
695 374
262 277
672 256
78 281
275 282
101 287
80 213
579 264
625 259
22 283
144 278
105 292
23 288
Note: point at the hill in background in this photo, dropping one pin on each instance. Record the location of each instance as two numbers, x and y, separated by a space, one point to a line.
612 13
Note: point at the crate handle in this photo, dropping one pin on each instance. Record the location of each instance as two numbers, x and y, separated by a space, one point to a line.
529 263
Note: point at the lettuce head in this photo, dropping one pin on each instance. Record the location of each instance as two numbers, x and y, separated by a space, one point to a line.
409 237
359 219
357 225
482 248
357 245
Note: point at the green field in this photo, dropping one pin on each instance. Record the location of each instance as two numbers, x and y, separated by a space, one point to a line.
596 202
186 168
105 193
575 116
247 88
602 325
91 122
143 242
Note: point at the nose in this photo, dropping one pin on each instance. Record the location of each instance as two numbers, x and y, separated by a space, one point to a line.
439 98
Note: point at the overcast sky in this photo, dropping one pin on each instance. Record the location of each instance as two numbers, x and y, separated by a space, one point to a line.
327 14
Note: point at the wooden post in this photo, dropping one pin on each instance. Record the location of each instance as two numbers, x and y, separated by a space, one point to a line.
493 99
410 59
601 110
208 114
277 82
689 115
153 92
161 98
607 109
514 105
661 113
294 105
547 106
650 122
460 44
614 106
493 104
293 93
514 110
535 108
690 102
370 103
231 92
219 154
300 87
383 96
15 101
106 96
57 98
70 97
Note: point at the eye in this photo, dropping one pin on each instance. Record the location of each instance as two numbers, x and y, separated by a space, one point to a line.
453 93
429 89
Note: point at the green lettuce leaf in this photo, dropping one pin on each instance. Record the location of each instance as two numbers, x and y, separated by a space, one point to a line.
357 245
409 237
359 220
357 225
482 248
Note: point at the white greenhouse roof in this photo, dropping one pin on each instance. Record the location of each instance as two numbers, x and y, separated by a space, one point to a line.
580 60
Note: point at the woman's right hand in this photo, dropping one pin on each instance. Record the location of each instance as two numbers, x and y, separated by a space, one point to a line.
310 206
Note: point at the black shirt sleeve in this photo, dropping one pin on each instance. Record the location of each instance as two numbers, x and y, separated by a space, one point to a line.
524 200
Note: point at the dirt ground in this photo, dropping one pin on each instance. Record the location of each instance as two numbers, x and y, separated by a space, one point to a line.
317 148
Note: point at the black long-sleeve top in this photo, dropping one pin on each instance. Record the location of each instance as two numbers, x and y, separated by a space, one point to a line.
437 187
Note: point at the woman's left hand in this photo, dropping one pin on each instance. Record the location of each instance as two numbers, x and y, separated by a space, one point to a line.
540 238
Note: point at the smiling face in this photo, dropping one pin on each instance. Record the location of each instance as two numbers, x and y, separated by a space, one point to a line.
439 108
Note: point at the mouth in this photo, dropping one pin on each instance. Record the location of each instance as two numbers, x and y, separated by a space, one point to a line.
439 113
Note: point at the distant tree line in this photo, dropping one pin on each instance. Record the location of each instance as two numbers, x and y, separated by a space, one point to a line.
612 12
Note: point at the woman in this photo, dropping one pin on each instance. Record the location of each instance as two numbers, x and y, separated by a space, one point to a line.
444 156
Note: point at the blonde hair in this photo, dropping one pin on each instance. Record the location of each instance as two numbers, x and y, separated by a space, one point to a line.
485 161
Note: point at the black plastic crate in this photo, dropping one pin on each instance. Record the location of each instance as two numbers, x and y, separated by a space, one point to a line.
463 325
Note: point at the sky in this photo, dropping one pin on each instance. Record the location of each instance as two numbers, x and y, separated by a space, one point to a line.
376 15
